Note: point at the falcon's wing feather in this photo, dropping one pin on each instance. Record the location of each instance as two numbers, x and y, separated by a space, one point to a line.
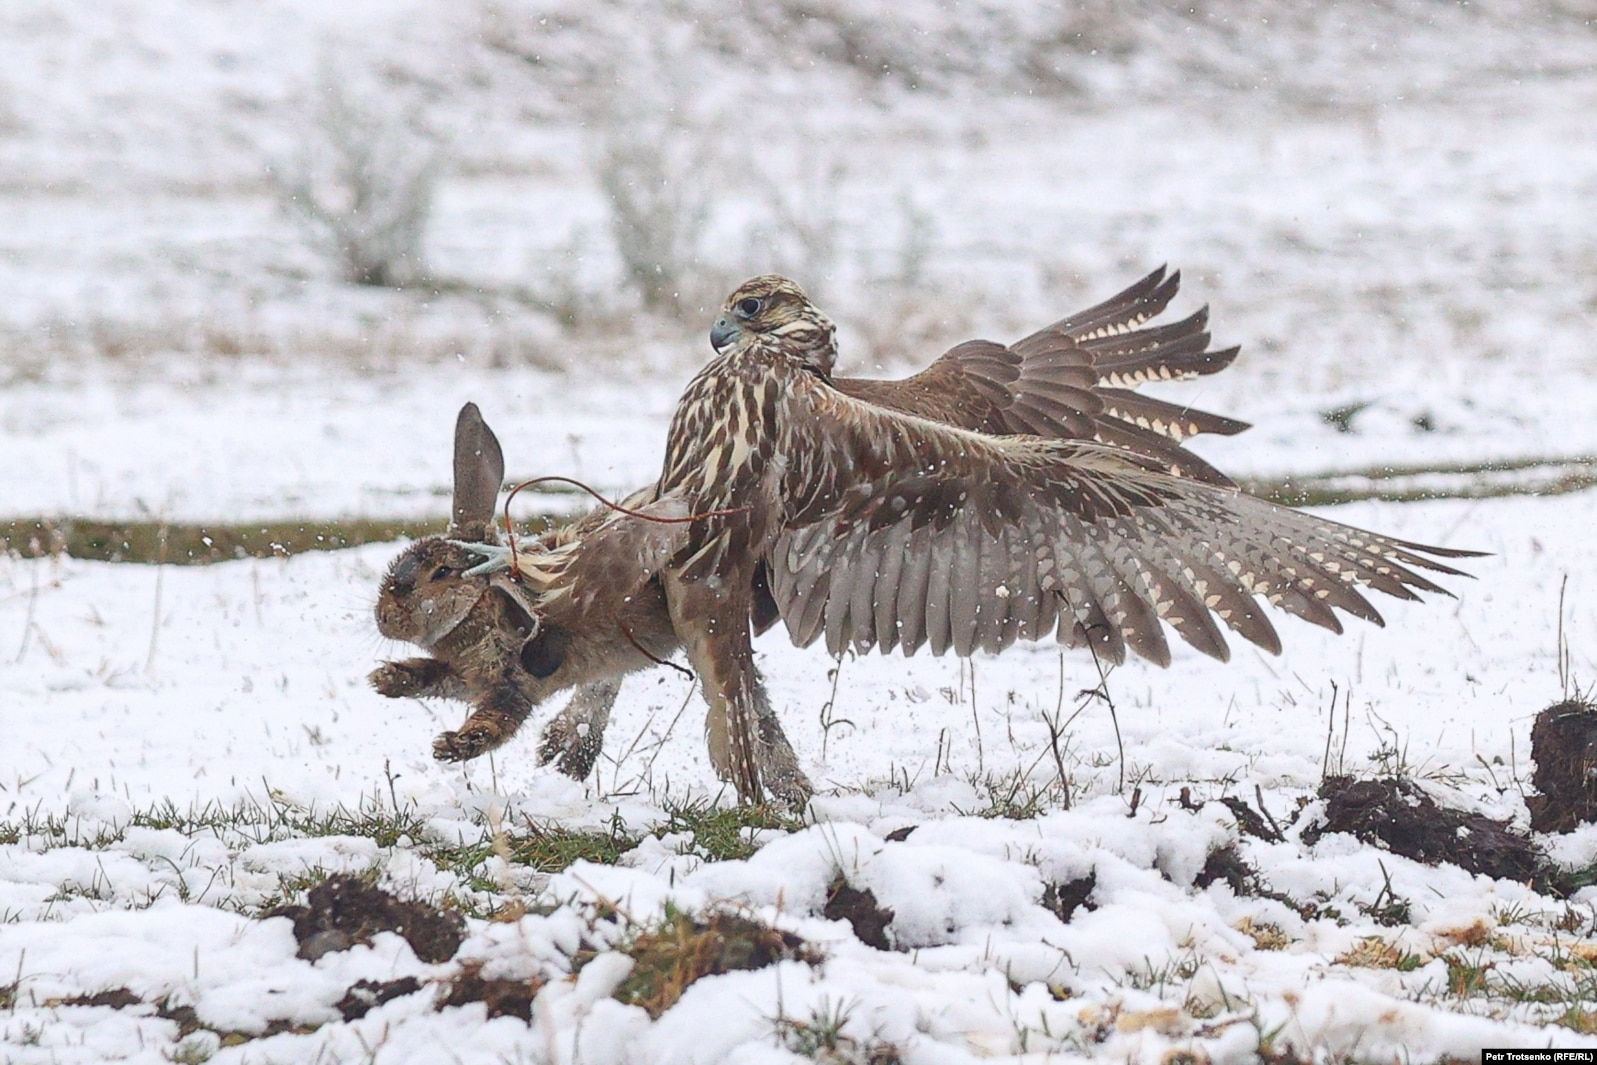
1173 352
1120 313
953 539
976 385
1173 421
1071 380
1170 455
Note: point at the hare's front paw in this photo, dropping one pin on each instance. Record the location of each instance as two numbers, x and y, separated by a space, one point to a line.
413 676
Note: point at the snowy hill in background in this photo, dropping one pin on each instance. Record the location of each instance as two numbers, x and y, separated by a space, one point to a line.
1352 186
1377 201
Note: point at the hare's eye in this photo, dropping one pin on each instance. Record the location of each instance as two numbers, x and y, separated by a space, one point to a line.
440 572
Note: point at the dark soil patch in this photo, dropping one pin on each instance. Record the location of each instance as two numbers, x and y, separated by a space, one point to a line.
184 1016
1400 816
118 998
844 902
1251 823
1227 864
669 959
367 995
1063 900
504 998
345 910
1563 743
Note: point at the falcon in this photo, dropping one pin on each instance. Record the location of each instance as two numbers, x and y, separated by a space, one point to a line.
1005 493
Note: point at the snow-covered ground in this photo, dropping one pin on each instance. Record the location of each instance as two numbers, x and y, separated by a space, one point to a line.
1383 204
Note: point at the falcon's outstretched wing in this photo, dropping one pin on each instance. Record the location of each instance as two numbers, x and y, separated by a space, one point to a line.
1075 380
901 532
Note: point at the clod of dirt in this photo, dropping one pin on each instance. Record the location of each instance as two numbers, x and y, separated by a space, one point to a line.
1063 900
1563 743
118 998
345 910
1402 817
504 998
185 1017
844 902
1226 863
899 835
668 959
367 995
1250 822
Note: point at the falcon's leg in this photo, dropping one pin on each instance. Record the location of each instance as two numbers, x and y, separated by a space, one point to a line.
574 738
746 741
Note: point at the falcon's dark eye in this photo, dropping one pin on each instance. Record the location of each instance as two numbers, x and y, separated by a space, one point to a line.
749 306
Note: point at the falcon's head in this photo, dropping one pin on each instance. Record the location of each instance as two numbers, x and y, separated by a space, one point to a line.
773 306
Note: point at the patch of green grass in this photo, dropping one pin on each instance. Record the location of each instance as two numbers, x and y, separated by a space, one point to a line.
713 833
1582 1019
250 821
1014 795
1541 476
724 833
1174 973
546 848
821 1037
1466 976
60 830
1389 908
670 956
179 543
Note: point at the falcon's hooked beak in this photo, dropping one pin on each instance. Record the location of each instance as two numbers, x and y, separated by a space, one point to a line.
724 333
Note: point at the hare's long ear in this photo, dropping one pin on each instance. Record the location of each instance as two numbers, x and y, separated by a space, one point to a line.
479 473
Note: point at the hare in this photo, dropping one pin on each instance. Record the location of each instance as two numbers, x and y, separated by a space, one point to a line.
488 644
505 650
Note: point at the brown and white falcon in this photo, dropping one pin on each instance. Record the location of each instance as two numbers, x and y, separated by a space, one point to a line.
1003 493
1072 511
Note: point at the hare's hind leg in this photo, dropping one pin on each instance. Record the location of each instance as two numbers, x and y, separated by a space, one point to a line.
574 738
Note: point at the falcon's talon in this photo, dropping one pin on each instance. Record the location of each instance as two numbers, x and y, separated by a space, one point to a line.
495 557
